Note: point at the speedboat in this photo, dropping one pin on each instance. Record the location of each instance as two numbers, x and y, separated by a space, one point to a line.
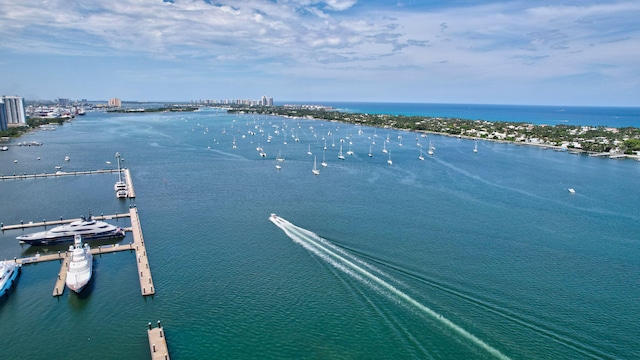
89 228
80 265
8 273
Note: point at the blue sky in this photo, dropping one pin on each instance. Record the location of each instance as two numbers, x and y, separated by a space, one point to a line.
498 52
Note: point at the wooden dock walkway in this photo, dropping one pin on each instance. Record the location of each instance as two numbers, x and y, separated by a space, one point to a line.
59 222
58 289
138 245
131 192
104 249
144 272
56 174
158 343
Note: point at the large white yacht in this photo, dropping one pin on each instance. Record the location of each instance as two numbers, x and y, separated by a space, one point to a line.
89 228
80 265
8 273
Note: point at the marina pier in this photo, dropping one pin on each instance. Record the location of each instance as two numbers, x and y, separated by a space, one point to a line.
131 193
56 174
158 343
144 271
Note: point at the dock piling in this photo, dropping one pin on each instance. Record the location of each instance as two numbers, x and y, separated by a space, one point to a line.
157 343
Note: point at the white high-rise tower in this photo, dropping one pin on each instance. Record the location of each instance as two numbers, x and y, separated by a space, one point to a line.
14 110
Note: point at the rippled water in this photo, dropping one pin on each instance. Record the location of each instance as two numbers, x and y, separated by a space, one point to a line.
481 255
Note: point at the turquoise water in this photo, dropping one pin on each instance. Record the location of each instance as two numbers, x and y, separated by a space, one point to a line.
462 255
535 114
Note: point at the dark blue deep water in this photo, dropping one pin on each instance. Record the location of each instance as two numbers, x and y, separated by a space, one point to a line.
462 255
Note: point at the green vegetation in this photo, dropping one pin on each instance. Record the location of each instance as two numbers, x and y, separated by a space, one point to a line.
161 109
583 138
32 123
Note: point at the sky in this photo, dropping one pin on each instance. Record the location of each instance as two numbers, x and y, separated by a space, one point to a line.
575 52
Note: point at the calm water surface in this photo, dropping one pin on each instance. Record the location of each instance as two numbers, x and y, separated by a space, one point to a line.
462 255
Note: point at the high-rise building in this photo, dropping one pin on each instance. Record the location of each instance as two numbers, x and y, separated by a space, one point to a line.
115 102
3 119
13 111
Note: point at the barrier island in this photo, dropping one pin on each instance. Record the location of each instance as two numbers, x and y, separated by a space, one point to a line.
589 139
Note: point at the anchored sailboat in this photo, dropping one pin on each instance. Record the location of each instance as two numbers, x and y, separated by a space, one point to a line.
315 170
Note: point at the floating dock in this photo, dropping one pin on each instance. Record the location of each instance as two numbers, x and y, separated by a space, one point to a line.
138 245
62 276
131 193
56 174
59 222
144 272
158 343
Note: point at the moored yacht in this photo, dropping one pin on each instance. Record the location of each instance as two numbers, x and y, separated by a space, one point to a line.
89 228
8 273
80 265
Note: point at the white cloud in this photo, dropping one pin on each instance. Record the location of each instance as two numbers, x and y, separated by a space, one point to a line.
508 41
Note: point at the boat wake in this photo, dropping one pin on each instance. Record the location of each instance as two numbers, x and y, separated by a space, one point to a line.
369 275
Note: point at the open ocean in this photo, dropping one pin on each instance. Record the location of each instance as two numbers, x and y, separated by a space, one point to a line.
461 256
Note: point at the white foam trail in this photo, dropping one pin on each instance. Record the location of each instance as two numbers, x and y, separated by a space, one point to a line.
315 244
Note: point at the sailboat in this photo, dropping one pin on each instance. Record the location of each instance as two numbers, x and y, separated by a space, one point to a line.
323 163
370 153
349 152
309 150
315 170
279 160
475 148
421 157
325 144
430 152
389 161
384 147
340 156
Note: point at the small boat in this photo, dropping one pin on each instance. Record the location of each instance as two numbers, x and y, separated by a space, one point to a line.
349 152
58 167
8 273
315 170
67 158
340 156
80 265
571 191
120 186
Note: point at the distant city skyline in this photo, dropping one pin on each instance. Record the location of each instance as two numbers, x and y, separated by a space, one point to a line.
458 51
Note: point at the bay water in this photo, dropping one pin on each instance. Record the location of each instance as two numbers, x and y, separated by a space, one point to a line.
460 255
